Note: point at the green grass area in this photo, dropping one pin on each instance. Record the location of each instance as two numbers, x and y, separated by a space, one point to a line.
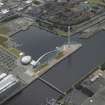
14 51
97 2
3 39
59 55
103 66
43 66
36 2
7 49
60 32
4 29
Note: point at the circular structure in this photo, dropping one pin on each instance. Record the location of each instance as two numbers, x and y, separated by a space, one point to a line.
21 54
33 63
25 60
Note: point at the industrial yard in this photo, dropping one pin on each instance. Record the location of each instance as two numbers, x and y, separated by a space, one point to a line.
89 90
77 14
54 16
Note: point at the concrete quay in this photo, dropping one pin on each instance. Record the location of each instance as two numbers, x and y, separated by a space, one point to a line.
67 52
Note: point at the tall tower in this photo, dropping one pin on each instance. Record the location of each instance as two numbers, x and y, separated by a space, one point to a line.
69 35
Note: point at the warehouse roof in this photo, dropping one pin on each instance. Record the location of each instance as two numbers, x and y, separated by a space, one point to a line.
97 99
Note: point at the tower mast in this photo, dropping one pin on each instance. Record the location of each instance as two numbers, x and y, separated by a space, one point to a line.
69 35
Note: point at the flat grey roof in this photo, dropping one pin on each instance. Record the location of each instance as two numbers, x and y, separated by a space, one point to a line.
97 99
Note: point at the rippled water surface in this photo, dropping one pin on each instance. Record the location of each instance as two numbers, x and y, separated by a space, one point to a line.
36 42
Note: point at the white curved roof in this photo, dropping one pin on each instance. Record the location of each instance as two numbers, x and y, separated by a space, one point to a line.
26 59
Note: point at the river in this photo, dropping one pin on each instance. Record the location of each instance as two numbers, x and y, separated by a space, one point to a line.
36 42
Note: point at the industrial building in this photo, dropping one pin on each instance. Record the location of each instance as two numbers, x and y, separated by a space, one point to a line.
8 85
90 90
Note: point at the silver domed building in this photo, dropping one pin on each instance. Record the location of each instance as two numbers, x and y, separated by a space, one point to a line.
25 60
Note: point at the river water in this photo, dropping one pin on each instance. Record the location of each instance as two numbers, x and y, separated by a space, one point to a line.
36 42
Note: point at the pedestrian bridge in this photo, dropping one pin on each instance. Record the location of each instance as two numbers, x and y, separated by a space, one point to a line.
54 52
